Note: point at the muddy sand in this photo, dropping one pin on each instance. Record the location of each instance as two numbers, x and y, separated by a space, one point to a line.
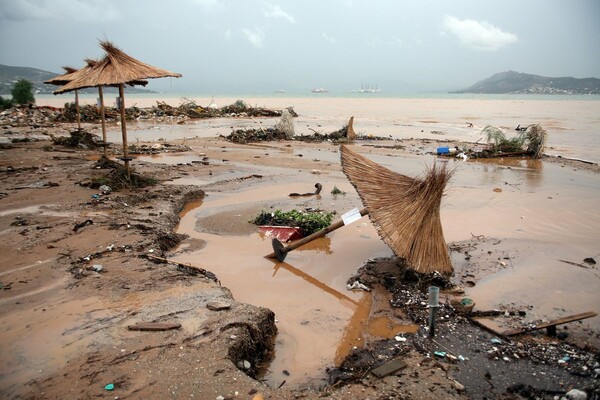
79 267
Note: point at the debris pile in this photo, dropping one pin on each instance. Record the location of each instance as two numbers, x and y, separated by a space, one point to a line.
32 116
530 142
188 109
158 148
117 176
78 138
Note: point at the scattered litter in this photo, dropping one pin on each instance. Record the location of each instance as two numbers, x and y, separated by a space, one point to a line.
97 267
496 341
389 368
110 387
82 224
400 338
440 354
244 364
105 189
356 285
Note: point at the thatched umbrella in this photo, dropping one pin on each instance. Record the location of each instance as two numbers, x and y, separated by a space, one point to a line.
63 79
404 210
117 69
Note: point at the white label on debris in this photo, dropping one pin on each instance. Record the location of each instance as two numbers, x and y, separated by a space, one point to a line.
351 216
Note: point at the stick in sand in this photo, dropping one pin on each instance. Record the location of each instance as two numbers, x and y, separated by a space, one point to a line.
280 251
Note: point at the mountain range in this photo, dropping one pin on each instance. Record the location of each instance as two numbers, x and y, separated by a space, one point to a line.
10 75
502 82
517 82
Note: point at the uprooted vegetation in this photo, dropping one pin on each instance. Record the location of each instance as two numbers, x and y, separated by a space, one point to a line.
343 135
188 109
530 142
78 138
118 177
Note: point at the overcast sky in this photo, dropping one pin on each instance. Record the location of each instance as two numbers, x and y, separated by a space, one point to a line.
254 46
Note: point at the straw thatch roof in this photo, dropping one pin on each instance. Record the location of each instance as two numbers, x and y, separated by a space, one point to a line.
64 78
404 210
114 69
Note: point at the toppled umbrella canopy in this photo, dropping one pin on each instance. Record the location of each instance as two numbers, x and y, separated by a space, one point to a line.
114 69
404 210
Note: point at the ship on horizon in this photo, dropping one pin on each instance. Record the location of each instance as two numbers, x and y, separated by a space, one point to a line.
320 90
367 88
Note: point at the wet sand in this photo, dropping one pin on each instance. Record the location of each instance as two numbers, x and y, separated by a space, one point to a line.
544 212
537 212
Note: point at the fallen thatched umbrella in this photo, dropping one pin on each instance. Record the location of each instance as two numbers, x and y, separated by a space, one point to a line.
404 210
63 79
117 69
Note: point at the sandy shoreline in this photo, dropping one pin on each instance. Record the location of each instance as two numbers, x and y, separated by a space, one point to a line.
544 212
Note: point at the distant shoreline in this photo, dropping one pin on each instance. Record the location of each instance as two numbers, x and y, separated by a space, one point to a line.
91 98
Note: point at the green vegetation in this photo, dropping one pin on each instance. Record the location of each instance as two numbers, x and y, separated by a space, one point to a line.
309 222
22 92
336 191
5 103
532 140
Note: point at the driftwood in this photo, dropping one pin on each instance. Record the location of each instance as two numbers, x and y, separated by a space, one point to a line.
202 271
154 326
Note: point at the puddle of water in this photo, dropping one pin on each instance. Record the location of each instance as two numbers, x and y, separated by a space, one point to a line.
319 320
170 158
308 294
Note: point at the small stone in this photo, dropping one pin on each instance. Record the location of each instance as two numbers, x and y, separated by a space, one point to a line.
576 394
458 386
218 305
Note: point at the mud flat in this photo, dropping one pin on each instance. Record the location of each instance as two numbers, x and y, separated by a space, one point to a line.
250 326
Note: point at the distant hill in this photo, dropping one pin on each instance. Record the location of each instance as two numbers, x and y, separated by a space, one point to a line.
10 75
517 82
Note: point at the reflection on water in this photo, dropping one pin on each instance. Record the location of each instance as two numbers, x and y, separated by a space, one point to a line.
511 170
319 320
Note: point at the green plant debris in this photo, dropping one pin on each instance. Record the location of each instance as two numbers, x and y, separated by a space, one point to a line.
336 191
308 221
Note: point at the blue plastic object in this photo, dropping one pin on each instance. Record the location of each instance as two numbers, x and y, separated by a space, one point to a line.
443 150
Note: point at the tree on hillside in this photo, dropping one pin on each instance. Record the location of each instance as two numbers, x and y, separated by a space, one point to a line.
22 92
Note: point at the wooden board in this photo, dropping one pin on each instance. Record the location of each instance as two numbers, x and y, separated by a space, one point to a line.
389 368
154 326
550 324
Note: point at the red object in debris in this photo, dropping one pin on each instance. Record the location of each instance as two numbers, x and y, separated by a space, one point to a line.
283 233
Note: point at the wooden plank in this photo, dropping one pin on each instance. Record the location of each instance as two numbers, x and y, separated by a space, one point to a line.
389 368
549 324
154 326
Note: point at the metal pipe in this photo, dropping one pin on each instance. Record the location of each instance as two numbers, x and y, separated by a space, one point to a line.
433 305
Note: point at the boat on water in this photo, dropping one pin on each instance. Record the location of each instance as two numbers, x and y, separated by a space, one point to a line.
368 88
280 91
319 90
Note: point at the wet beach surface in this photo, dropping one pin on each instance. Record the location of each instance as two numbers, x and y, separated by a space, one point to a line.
509 222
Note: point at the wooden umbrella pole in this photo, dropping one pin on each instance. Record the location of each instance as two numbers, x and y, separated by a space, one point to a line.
280 251
124 128
77 109
102 118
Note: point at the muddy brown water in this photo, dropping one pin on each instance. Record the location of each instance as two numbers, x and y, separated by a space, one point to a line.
539 212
